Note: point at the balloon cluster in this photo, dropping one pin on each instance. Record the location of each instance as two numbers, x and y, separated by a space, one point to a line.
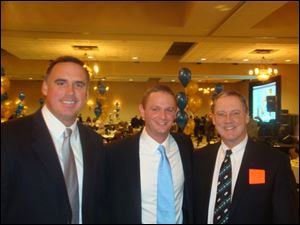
6 104
20 105
189 102
101 109
5 84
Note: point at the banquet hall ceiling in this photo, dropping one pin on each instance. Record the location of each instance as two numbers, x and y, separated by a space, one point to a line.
183 32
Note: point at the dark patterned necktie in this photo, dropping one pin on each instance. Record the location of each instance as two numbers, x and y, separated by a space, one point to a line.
70 174
223 199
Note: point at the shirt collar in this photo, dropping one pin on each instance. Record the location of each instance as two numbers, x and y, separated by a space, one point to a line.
153 145
241 146
55 126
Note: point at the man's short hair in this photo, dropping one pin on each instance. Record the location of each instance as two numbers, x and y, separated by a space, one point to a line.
157 88
230 93
63 59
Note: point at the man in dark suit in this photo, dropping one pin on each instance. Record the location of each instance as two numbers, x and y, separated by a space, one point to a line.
256 185
133 166
34 187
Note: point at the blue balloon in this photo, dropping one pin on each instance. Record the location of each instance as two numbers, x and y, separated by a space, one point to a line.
181 119
181 100
184 76
4 97
21 96
2 71
219 88
19 109
97 111
102 89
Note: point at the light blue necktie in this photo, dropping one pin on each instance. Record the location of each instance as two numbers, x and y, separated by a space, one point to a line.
165 213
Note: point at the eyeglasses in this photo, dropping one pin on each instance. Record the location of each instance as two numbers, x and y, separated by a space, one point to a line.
235 114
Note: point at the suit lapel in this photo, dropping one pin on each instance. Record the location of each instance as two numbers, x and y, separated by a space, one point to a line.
89 169
45 149
185 151
209 167
134 173
242 184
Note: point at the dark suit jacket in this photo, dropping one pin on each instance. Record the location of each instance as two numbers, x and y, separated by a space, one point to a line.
32 182
275 201
124 185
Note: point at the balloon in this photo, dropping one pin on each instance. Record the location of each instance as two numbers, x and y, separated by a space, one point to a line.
97 111
21 96
7 109
184 76
101 99
190 126
194 103
192 88
181 119
5 84
219 88
2 71
102 89
19 109
181 100
4 97
105 108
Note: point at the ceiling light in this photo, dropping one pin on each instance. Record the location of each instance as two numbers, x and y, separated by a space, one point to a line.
135 58
263 72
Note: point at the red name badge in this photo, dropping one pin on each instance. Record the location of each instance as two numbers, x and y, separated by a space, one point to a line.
257 176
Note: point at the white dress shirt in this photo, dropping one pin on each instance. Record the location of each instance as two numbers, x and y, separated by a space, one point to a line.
236 160
56 129
149 163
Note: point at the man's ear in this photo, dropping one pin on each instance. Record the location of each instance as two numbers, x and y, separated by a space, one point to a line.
45 88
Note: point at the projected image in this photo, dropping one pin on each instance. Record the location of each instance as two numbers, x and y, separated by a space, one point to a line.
260 108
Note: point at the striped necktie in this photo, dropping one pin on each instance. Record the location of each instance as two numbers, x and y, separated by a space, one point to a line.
223 199
70 175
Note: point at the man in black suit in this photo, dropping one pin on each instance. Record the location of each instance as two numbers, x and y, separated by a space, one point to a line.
259 186
133 165
33 174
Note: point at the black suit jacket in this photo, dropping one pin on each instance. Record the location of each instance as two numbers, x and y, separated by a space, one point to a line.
275 201
124 185
32 182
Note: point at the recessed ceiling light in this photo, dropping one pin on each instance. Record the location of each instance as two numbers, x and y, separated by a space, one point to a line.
173 80
30 78
203 59
135 58
287 60
90 57
130 80
245 60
